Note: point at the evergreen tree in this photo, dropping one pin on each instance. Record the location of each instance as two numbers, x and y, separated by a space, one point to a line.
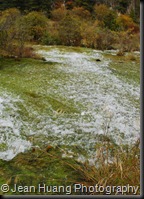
6 4
87 4
123 6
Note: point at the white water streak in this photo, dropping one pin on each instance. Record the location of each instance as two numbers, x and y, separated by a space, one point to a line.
10 128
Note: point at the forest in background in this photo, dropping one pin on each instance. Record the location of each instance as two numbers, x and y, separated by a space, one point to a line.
98 24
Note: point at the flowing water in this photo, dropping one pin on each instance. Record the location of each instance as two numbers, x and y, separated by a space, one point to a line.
103 104
10 127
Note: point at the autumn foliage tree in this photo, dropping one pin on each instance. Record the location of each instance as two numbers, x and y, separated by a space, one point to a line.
89 34
125 22
127 42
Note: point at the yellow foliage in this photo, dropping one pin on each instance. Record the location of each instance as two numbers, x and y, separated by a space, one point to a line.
58 14
81 12
124 21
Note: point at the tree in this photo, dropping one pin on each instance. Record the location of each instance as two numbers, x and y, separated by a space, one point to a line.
106 16
37 23
89 34
105 39
81 13
122 6
110 20
7 29
134 10
101 11
87 4
69 31
128 42
58 14
27 5
22 35
124 22
8 18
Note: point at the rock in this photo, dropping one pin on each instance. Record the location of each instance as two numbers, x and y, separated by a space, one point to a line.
98 60
43 59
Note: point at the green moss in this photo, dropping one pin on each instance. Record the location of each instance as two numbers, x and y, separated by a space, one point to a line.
33 80
3 147
125 68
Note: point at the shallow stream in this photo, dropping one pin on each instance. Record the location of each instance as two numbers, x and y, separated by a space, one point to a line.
89 100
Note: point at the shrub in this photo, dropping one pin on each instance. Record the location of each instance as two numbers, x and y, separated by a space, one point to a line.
131 57
88 33
105 39
128 42
120 53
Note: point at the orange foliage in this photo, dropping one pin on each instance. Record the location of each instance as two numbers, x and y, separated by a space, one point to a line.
125 22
